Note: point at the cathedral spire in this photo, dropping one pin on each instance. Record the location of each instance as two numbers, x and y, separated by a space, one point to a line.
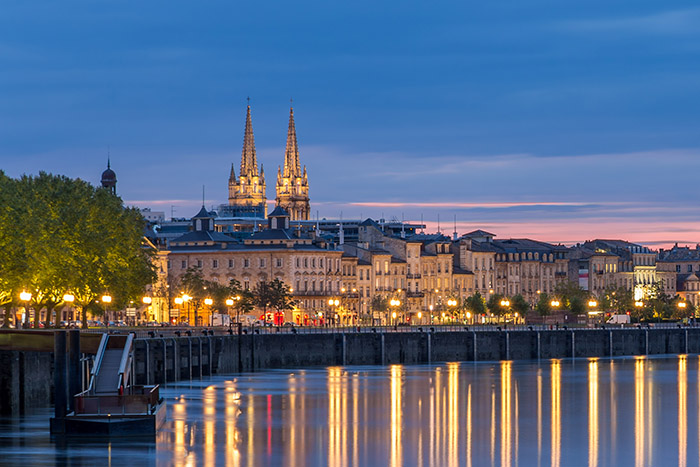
232 177
291 155
249 161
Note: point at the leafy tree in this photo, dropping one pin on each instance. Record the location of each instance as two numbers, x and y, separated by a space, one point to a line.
543 306
61 235
476 304
494 304
379 303
282 299
519 305
572 296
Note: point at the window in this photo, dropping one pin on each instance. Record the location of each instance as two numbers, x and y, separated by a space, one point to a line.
297 262
678 267
690 268
306 262
184 264
215 263
246 284
230 263
262 262
320 263
199 263
246 263
279 262
313 262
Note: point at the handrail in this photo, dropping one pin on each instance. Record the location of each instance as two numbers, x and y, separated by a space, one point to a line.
124 364
98 360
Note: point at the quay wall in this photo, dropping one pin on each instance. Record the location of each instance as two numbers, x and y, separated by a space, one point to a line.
166 359
26 377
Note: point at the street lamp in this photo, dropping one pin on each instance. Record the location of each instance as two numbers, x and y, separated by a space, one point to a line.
555 303
147 301
106 298
67 298
26 297
394 304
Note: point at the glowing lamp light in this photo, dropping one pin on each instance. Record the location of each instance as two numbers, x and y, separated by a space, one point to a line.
469 315
229 302
555 303
25 296
69 298
505 303
639 304
592 303
420 315
178 300
208 301
186 297
330 301
681 304
106 299
393 315
147 300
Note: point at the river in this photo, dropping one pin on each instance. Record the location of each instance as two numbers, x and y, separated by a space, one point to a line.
587 412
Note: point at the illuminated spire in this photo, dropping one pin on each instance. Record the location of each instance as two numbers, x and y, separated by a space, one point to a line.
291 155
249 161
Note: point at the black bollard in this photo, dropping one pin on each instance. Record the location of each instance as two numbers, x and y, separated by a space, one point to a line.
59 374
74 374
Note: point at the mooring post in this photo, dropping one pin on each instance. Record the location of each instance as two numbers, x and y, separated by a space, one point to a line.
74 374
573 344
538 345
59 374
611 343
383 357
475 354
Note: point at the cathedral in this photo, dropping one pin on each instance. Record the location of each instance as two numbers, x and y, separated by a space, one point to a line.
246 193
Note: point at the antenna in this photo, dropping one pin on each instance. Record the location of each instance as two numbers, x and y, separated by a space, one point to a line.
454 234
438 231
202 195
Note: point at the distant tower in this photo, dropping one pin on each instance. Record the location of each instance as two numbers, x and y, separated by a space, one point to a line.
109 179
292 183
247 193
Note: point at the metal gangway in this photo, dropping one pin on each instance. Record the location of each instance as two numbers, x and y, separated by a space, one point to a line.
111 371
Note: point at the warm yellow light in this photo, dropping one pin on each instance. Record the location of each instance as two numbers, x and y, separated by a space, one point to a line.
238 297
178 301
420 315
516 314
336 302
354 290
229 302
490 290
639 304
555 303
505 303
342 290
681 305
106 299
592 303
443 315
539 292
393 315
469 315
147 300
186 298
208 301
330 301
320 314
291 290
25 296
68 298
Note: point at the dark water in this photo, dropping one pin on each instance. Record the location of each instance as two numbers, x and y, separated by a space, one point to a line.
625 411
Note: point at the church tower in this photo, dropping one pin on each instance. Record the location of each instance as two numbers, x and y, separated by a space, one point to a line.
246 194
109 179
292 183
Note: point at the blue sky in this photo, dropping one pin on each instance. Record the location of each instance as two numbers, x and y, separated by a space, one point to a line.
556 120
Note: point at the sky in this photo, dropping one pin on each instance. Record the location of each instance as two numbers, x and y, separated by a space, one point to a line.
559 121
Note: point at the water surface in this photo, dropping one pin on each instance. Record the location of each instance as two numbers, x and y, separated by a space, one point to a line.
623 411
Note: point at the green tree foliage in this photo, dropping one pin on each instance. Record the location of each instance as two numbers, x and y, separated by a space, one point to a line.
520 305
543 306
380 303
273 295
60 235
476 304
494 304
572 297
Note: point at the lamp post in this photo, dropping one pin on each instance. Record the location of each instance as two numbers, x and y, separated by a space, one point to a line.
430 309
209 302
67 298
394 303
147 301
186 300
452 303
26 297
178 301
106 298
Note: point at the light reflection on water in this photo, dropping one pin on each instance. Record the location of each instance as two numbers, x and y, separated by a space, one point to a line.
558 412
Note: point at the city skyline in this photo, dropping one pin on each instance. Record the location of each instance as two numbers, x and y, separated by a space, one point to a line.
535 122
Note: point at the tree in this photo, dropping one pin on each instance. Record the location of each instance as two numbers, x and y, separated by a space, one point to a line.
282 299
61 235
476 304
519 305
543 306
572 296
494 304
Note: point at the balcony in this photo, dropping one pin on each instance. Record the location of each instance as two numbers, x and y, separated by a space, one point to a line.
415 294
413 276
311 293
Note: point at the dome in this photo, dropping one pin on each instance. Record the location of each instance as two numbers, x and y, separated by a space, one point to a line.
109 176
